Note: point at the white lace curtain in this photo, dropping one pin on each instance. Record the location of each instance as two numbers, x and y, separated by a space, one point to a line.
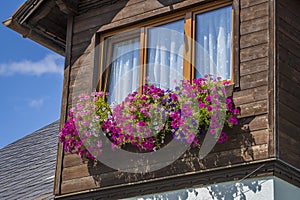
124 71
165 54
214 43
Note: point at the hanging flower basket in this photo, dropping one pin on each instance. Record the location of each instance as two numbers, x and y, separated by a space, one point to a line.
146 122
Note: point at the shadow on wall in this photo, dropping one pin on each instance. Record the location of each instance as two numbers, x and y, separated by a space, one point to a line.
169 2
234 190
237 150
240 190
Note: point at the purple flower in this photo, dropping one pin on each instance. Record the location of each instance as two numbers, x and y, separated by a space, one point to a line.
228 100
143 110
233 121
208 98
132 109
84 123
201 105
212 131
174 97
209 108
193 122
190 138
186 110
79 106
141 123
237 111
144 98
223 137
87 133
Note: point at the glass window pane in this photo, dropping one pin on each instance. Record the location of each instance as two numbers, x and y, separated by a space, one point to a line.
124 66
165 54
214 43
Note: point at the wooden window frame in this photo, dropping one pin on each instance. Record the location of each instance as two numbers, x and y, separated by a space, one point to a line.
189 16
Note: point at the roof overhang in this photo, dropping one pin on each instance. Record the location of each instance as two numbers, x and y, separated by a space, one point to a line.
43 21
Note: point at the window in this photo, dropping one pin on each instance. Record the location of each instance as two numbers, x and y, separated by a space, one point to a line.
123 61
165 46
214 43
184 46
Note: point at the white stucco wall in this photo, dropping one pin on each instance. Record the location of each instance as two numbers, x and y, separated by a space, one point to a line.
285 191
266 188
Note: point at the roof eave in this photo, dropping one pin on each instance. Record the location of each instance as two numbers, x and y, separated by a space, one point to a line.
18 22
36 35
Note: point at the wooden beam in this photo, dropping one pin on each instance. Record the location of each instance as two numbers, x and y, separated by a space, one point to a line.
42 13
262 168
68 6
64 105
273 77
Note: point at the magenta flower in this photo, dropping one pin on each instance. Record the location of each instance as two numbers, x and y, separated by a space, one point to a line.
79 106
208 98
223 137
201 105
86 124
186 110
233 121
236 112
190 138
141 123
174 97
87 133
209 108
228 100
213 131
132 109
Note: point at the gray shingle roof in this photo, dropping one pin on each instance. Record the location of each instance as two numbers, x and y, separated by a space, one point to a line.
27 166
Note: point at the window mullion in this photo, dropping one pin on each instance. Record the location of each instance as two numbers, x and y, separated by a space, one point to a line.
188 46
107 67
101 68
143 53
235 43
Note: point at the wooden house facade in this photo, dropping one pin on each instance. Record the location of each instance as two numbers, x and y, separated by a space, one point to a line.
265 73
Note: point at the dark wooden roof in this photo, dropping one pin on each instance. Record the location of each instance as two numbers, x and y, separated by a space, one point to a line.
41 21
28 165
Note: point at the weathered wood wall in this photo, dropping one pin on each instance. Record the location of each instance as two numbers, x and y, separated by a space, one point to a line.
250 142
288 65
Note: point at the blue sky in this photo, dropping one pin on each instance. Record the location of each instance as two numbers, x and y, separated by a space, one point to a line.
31 79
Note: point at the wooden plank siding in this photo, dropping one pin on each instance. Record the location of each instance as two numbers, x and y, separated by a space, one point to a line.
288 61
249 142
64 105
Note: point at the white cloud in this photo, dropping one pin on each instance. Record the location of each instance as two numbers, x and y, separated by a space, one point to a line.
36 103
51 64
